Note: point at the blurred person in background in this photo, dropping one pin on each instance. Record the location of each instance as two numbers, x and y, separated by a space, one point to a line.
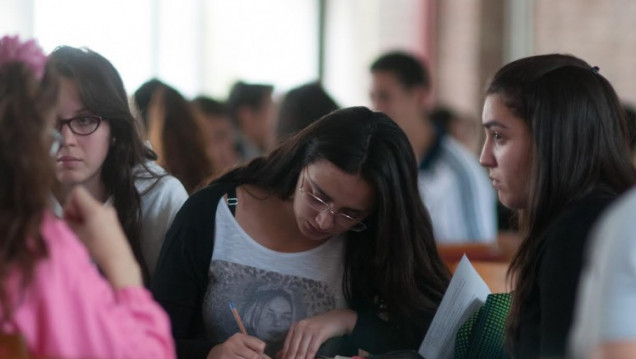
141 102
178 137
300 107
604 325
453 186
252 112
463 128
221 136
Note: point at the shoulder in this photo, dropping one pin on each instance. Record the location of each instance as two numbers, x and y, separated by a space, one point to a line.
568 234
57 235
203 202
614 233
165 187
580 215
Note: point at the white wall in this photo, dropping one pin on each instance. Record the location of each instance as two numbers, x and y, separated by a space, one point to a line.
204 46
358 31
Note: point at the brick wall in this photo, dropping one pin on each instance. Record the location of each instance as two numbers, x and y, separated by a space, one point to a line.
602 32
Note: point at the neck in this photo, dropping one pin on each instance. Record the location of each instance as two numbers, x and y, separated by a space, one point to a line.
421 135
95 188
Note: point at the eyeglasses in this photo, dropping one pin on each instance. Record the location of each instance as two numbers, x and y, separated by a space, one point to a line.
56 142
341 219
81 125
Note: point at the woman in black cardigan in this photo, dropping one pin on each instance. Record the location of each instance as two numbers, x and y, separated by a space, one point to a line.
341 194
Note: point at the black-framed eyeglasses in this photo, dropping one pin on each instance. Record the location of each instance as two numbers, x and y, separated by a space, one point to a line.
342 219
82 125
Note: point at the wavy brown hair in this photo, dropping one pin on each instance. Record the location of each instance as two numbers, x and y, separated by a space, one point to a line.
27 171
579 141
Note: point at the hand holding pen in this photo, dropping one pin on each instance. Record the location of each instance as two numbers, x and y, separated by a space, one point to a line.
239 345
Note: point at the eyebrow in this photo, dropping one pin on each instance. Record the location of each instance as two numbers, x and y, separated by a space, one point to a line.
82 111
494 123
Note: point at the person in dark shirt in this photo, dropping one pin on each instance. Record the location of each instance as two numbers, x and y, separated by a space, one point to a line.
556 150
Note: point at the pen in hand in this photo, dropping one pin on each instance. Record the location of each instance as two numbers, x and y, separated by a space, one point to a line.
237 317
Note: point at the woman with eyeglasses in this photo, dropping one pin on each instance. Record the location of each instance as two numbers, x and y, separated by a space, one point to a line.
54 303
103 151
332 216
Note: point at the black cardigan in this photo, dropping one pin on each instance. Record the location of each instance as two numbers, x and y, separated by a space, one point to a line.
547 314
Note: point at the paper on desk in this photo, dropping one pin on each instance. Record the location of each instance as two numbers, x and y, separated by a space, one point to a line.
466 293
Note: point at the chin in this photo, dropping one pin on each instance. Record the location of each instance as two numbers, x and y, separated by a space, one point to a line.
314 235
512 203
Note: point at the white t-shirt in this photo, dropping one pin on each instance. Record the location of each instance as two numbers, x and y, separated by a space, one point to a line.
606 308
270 289
159 205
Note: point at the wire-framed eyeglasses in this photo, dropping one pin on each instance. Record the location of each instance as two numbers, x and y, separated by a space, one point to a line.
342 219
82 125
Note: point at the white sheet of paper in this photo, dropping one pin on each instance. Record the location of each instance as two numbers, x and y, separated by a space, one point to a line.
466 293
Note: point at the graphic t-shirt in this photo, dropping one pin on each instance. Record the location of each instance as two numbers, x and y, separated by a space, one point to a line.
270 289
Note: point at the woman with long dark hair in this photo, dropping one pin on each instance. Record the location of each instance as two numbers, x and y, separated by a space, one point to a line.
557 153
51 293
103 151
332 215
177 136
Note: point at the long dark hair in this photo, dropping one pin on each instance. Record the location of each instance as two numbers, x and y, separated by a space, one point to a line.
579 145
395 259
27 171
102 92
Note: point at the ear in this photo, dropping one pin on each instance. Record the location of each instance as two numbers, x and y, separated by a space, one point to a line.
422 96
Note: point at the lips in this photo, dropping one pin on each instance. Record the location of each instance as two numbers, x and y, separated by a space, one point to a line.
68 161
67 158
495 183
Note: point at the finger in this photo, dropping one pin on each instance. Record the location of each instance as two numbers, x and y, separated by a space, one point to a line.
304 344
288 342
314 345
79 204
246 353
246 346
254 344
295 343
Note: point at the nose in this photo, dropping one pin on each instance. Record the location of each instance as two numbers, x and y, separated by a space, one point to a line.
325 220
486 158
68 135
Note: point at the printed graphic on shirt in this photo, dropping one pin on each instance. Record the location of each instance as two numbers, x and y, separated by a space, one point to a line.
268 302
